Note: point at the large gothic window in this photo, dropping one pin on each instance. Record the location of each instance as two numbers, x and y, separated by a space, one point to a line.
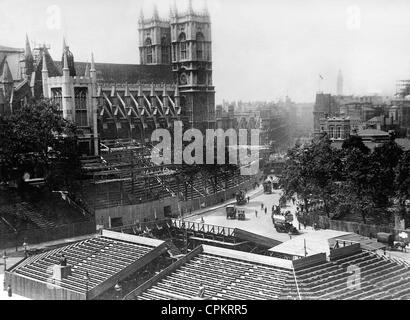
148 48
200 43
164 50
183 46
80 95
57 98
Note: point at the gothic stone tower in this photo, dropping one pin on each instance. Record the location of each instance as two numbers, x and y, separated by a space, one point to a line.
190 54
154 40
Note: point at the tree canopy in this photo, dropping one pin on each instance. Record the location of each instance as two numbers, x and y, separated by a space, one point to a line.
36 139
352 179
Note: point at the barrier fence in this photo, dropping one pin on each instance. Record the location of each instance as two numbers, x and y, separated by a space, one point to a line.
367 230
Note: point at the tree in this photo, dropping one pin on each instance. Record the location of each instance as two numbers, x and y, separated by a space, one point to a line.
402 182
356 188
296 177
38 140
325 171
385 159
355 142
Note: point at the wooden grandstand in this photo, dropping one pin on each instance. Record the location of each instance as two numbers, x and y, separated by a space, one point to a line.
380 278
226 274
96 265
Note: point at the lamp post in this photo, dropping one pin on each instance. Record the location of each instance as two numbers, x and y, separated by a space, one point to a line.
87 279
5 268
118 289
25 244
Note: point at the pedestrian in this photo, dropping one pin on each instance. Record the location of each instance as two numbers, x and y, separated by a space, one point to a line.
248 199
201 291
256 213
9 292
293 200
63 260
266 210
202 220
261 206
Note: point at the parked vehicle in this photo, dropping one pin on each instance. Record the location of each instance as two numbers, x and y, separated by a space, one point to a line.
230 212
282 225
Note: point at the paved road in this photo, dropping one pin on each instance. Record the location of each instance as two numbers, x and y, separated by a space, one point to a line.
260 223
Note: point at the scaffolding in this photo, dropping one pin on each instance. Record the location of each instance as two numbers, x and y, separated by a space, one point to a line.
402 88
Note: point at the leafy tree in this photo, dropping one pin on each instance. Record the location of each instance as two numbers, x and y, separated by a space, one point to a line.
385 159
325 171
355 142
38 140
296 178
356 189
402 182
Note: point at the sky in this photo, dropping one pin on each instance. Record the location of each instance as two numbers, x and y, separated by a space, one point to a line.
262 49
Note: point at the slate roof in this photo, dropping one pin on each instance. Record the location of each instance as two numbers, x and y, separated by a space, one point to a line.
373 133
127 73
9 49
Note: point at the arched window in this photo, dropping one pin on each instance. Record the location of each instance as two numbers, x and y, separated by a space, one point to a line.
200 44
164 50
182 46
148 48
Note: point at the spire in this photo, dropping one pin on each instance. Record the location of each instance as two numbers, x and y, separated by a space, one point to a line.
141 18
28 48
29 60
176 90
87 71
206 11
65 65
92 63
64 45
339 83
152 94
140 94
171 12
190 8
164 91
44 69
175 8
155 14
6 75
127 91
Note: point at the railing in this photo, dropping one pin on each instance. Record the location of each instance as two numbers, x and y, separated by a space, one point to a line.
142 225
201 227
296 282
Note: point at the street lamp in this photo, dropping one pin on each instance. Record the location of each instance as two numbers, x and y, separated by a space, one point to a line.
5 268
25 244
118 289
87 279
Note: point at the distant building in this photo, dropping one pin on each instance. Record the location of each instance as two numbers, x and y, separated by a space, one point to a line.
339 83
335 128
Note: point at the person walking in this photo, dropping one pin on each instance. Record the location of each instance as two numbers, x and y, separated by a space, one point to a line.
256 213
266 210
201 291
261 206
9 292
248 199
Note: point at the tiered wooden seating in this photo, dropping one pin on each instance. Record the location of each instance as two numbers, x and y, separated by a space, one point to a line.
101 257
380 278
223 278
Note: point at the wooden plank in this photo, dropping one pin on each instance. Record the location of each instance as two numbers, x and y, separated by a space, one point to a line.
248 257
132 238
